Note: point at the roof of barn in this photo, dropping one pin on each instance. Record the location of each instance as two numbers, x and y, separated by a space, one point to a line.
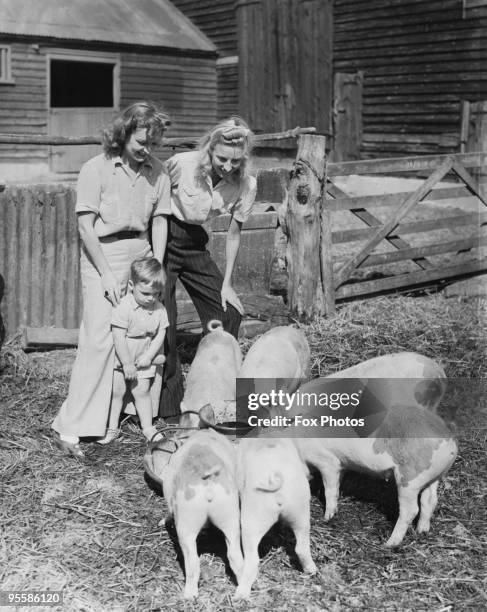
136 22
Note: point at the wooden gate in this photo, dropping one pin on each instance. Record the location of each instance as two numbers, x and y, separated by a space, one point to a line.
381 259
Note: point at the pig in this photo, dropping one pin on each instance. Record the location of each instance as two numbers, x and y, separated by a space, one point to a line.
412 444
199 483
281 353
212 376
272 482
408 378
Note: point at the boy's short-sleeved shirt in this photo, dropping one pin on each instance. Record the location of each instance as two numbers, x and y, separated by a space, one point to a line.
194 199
120 199
138 321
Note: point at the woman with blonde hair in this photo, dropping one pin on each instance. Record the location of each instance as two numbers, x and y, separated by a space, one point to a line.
206 182
119 192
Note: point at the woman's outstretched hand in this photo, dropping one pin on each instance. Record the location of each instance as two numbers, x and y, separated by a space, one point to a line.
228 295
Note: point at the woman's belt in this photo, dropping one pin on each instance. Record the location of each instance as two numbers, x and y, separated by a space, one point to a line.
122 235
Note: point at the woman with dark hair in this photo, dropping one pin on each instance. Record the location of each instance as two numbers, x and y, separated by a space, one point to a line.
118 194
207 182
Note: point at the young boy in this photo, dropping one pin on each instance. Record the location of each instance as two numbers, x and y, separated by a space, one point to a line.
139 325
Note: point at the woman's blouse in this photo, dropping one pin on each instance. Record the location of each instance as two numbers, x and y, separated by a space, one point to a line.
194 199
121 199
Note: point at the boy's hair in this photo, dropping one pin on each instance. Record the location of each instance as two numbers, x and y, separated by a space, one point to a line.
137 115
148 270
233 132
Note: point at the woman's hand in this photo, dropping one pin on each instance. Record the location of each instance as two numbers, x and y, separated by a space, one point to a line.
144 361
228 295
111 288
130 371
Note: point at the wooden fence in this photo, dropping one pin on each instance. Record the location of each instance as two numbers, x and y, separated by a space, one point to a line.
342 246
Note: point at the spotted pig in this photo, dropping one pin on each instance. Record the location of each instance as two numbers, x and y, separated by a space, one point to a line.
273 484
409 379
412 444
199 482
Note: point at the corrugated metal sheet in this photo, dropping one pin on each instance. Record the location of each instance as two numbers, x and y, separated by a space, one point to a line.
134 22
39 256
419 60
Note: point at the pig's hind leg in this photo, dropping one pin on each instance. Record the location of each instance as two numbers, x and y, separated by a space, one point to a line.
408 509
329 468
428 500
226 516
189 523
298 518
256 518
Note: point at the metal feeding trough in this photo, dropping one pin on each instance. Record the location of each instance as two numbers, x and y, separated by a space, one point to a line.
232 429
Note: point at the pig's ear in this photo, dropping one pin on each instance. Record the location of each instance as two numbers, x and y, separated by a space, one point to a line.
186 419
207 415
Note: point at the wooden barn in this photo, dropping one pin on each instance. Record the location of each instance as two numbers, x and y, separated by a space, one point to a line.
67 67
419 60
410 63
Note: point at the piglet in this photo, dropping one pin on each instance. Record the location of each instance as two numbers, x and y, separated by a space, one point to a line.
199 482
272 481
412 444
212 375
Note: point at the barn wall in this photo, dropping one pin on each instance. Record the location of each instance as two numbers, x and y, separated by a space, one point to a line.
228 103
215 19
23 104
419 60
218 20
285 63
185 86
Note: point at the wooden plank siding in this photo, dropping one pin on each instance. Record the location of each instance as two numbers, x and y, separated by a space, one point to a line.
184 86
285 63
219 22
227 78
23 103
215 19
419 60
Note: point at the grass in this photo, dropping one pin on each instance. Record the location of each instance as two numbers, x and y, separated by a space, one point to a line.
92 529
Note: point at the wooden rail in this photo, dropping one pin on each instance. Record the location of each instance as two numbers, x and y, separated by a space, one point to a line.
28 139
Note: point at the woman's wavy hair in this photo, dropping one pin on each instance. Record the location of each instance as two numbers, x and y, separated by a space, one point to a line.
137 115
233 132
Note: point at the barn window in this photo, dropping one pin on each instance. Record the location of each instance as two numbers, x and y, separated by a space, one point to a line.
84 82
5 65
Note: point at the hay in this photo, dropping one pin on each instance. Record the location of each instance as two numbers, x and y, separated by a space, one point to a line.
92 529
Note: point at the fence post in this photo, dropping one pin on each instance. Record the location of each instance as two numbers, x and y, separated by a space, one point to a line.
303 223
477 138
326 253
